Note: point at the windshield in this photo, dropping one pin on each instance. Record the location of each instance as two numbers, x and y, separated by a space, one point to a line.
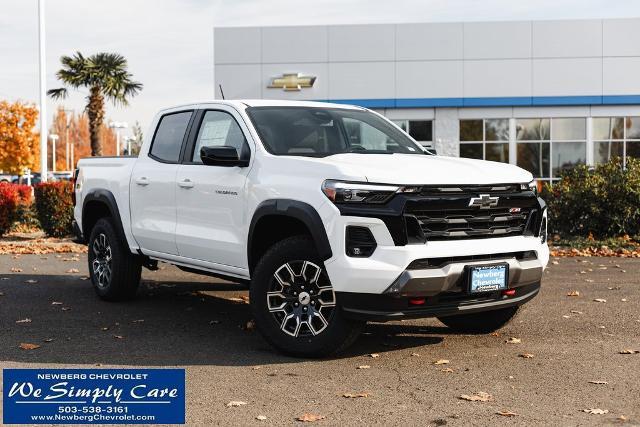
319 132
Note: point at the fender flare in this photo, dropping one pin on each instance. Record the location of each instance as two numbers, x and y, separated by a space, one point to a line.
107 198
301 211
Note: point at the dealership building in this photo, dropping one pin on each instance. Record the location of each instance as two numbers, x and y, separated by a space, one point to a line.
544 95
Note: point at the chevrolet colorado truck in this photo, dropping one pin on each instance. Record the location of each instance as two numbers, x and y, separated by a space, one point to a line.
331 214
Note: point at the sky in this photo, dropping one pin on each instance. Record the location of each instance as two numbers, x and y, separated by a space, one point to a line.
169 43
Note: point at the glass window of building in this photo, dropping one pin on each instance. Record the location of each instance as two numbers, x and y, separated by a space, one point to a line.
546 146
486 139
420 130
616 137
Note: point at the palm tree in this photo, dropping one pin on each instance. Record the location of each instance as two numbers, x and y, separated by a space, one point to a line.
106 76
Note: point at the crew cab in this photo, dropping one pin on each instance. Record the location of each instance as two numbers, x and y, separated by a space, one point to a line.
331 214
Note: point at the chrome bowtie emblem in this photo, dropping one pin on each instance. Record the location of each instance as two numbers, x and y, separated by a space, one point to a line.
483 201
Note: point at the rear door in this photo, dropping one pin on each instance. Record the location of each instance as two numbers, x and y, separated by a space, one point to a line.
211 223
153 185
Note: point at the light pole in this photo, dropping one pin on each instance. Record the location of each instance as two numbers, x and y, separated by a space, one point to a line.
66 138
54 138
118 126
127 140
43 92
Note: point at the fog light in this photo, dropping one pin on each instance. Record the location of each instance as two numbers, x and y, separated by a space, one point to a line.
359 242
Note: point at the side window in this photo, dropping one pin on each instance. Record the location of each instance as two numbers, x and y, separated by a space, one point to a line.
167 141
217 129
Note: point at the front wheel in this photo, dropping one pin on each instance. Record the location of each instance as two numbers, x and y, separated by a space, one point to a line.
294 304
480 323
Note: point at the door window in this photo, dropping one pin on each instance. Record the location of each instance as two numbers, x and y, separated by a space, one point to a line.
218 129
167 142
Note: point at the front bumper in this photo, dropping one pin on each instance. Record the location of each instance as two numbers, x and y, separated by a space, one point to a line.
385 307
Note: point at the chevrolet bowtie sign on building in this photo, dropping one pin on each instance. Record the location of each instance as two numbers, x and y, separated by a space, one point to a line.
291 82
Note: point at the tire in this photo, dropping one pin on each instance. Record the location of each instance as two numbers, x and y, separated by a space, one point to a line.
114 270
480 323
321 330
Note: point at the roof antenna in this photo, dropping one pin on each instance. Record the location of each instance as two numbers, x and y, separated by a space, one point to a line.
221 91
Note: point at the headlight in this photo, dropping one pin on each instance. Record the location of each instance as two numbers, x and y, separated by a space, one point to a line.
532 186
354 192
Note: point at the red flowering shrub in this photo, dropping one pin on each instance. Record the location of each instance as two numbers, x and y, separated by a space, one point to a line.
9 201
54 207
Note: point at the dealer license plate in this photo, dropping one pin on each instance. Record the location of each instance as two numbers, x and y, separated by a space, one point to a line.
488 278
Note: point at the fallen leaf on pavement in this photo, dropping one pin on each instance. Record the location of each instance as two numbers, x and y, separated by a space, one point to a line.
56 303
596 411
526 355
355 395
310 418
480 396
598 382
374 355
66 308
441 362
16 270
48 340
118 337
261 417
31 281
513 340
447 370
576 312
28 346
629 351
364 367
507 414
235 403
573 294
73 270
137 321
599 300
250 326
27 320
415 355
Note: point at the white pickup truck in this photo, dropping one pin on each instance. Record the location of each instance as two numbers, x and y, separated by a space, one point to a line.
330 213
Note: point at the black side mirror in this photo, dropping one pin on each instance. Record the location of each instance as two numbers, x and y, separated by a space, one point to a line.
222 156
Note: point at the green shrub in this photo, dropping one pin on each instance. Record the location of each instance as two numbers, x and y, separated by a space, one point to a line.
602 202
54 207
9 202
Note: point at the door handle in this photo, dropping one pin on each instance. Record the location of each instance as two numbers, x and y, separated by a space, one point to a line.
143 180
186 183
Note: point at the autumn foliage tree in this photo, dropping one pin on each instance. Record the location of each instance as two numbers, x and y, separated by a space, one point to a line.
79 137
19 144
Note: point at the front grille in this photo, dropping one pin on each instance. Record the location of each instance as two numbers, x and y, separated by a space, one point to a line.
469 212
470 223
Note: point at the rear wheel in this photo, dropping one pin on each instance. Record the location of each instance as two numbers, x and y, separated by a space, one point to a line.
480 323
294 304
114 270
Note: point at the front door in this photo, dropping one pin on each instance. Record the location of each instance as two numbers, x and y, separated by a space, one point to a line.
153 186
211 214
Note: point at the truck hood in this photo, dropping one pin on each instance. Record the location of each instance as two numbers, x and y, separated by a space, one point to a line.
419 169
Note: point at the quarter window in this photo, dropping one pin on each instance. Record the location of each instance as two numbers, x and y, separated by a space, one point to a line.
218 129
167 141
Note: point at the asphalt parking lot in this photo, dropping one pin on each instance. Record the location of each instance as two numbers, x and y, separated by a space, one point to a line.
572 346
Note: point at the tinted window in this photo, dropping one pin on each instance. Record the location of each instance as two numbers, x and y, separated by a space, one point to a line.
217 129
169 135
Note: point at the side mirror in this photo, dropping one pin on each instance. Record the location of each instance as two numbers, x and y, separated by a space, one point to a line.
222 156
